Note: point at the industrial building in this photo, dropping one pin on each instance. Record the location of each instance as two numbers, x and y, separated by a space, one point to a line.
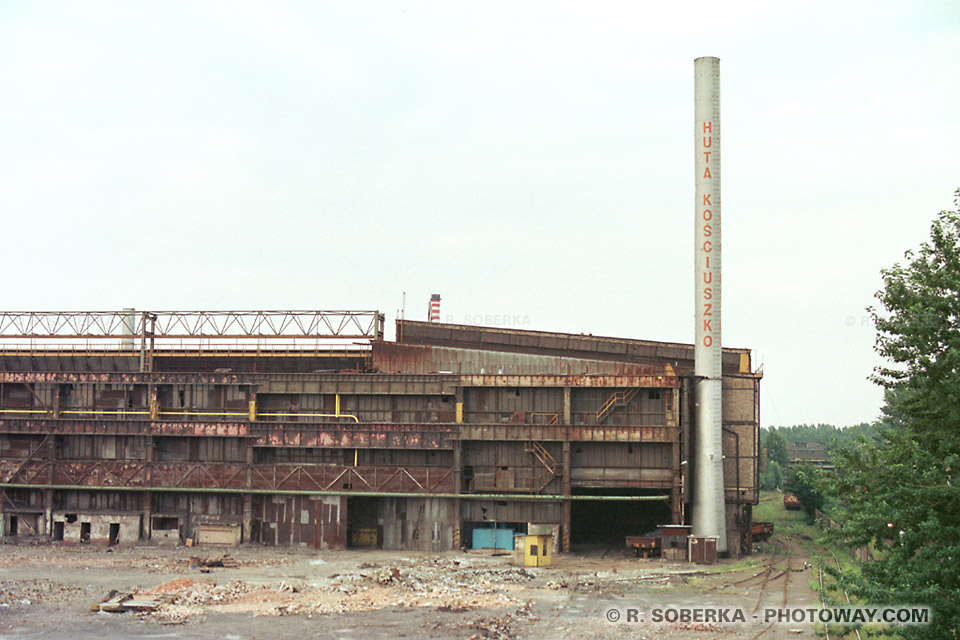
309 428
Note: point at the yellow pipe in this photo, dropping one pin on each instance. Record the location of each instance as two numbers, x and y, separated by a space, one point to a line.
24 411
338 406
355 456
203 413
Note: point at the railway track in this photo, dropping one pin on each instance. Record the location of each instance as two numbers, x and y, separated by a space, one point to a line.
823 601
786 574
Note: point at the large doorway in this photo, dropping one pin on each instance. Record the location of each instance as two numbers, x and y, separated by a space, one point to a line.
602 525
363 523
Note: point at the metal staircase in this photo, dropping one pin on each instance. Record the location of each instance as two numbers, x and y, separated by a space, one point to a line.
551 468
542 455
617 399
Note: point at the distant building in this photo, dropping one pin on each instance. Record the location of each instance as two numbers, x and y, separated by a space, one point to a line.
808 453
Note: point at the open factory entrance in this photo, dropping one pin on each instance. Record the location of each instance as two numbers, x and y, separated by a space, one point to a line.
602 525
363 523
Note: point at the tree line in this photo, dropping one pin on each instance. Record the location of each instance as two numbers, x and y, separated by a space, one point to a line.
895 488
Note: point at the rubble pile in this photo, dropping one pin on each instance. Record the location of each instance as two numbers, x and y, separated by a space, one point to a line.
445 586
198 593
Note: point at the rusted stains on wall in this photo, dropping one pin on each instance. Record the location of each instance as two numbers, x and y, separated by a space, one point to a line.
380 436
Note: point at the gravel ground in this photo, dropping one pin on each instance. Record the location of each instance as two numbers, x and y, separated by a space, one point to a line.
46 592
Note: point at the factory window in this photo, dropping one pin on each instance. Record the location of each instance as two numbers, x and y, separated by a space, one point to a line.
654 394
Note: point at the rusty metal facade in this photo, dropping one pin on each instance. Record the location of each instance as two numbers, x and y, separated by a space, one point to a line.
295 452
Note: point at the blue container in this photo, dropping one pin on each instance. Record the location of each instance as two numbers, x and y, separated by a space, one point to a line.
493 539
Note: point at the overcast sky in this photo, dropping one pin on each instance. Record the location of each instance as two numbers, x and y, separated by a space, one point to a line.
531 162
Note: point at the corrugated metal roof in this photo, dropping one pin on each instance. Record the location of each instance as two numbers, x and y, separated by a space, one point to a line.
564 345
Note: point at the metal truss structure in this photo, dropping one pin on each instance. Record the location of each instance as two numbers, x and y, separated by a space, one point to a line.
242 325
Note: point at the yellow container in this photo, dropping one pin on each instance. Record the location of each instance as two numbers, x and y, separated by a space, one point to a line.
537 550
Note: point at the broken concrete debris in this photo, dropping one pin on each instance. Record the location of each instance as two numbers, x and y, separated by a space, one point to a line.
435 583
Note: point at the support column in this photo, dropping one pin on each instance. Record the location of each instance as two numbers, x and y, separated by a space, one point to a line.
567 405
676 498
457 507
56 401
247 531
673 420
47 529
147 504
567 505
154 403
48 493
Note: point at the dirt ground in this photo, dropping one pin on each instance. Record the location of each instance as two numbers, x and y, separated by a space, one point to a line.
47 591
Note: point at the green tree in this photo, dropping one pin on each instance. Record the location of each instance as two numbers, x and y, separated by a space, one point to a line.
776 448
899 492
804 482
776 475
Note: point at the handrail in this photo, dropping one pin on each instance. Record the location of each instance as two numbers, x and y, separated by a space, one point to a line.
123 412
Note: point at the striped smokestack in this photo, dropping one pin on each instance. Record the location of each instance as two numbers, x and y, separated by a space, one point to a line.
709 511
435 308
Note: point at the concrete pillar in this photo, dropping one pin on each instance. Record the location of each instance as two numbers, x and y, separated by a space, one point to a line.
567 405
46 529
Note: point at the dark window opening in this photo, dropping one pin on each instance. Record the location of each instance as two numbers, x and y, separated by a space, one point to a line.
162 523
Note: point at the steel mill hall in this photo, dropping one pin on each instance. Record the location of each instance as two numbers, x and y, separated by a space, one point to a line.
310 428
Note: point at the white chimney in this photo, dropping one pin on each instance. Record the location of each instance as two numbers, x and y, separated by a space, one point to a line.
709 509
